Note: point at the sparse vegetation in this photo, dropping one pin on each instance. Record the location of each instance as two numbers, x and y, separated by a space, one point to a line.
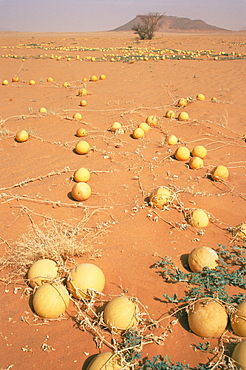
147 26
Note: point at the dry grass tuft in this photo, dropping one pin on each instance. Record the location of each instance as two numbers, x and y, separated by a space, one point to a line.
51 239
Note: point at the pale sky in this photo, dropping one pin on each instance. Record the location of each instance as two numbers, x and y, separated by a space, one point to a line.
104 15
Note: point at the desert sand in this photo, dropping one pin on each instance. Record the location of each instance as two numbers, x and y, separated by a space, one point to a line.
143 78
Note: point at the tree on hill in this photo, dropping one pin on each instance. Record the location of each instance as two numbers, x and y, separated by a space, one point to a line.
148 25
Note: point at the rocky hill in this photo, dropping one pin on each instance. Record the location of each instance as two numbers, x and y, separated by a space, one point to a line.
172 23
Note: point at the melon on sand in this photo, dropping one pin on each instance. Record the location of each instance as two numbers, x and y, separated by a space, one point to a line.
121 313
207 318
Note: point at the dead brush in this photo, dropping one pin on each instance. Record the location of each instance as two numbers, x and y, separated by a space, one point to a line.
50 239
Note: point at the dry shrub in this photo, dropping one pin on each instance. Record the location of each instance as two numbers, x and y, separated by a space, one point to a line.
51 239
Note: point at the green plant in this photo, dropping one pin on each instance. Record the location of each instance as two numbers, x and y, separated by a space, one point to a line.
209 283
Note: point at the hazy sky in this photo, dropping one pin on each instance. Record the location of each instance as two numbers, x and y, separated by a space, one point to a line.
104 15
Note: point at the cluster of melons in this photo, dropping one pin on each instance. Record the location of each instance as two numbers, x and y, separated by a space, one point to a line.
96 78
220 172
182 116
83 282
81 191
182 153
208 317
139 132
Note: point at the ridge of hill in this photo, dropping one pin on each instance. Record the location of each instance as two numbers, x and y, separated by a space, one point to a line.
173 23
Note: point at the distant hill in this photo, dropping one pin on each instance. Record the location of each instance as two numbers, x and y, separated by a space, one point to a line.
172 23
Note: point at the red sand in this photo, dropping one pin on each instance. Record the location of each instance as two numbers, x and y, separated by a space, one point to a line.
124 171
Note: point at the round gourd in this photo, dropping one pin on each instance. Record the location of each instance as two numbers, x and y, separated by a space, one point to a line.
183 116
83 103
239 355
160 196
50 300
220 173
93 78
41 271
200 97
81 132
105 361
195 162
83 277
199 151
82 147
81 175
199 218
115 126
144 126
170 114
77 116
182 153
81 191
201 257
152 120
138 133
238 320
172 139
82 92
21 136
207 318
42 110
182 102
121 314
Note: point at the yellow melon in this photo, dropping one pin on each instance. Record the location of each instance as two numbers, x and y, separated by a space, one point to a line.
106 361
81 132
121 313
200 97
199 218
170 114
77 116
183 116
83 277
238 320
82 147
220 173
160 197
201 257
239 355
81 191
115 126
199 151
172 140
144 126
42 271
50 300
138 133
21 136
195 162
81 175
207 318
182 102
182 153
152 120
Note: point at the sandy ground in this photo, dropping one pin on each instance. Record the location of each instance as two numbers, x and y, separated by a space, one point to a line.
124 170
